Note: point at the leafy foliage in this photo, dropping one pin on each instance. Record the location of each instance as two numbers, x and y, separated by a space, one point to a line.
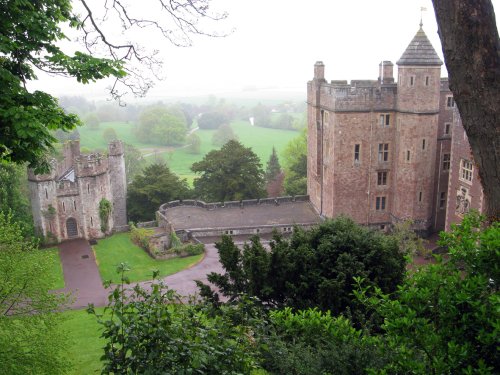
194 143
150 189
273 167
444 319
30 337
29 40
150 331
295 161
162 126
14 195
212 120
232 173
223 134
134 161
105 208
315 268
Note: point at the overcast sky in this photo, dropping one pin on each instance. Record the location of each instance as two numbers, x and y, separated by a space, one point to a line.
275 44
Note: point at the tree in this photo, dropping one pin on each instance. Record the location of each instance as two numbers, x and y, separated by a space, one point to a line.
262 116
150 332
314 268
161 126
134 162
444 318
30 336
295 160
194 143
223 134
232 173
92 121
212 120
150 189
273 167
109 134
14 195
30 33
471 49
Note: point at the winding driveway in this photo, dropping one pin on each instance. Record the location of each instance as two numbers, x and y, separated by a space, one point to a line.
83 281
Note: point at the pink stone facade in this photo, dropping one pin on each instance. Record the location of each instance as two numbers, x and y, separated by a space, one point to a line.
65 202
380 151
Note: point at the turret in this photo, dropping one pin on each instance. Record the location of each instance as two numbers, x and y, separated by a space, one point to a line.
319 71
118 182
385 75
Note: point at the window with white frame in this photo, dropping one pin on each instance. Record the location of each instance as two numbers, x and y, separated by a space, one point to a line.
384 119
466 170
383 152
446 162
450 102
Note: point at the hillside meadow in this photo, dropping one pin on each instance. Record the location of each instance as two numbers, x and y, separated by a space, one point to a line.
261 140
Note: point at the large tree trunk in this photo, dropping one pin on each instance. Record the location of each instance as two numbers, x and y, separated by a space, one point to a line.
469 37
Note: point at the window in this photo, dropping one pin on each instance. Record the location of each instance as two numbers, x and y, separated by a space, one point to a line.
64 207
380 203
419 197
408 155
88 188
442 199
412 80
382 178
427 80
46 194
383 152
356 152
466 169
91 221
74 205
446 162
423 144
447 128
450 103
385 119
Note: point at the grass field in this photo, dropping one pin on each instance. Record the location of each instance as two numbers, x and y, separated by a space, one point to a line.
261 140
112 251
85 345
56 272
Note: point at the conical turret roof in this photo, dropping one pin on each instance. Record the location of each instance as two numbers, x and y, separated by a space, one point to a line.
420 51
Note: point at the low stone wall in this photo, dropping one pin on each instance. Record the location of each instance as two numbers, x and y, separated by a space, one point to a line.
233 204
262 229
147 224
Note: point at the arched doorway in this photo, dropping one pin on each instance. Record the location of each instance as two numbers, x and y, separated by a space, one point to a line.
71 228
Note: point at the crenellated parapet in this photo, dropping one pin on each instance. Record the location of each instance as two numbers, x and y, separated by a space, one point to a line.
115 148
66 188
90 165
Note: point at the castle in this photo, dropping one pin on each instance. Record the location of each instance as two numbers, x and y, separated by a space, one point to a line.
65 202
383 151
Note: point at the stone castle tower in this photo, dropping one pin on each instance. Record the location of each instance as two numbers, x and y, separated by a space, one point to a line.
65 202
372 145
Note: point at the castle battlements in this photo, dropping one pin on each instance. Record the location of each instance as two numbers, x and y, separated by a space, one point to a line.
67 188
90 165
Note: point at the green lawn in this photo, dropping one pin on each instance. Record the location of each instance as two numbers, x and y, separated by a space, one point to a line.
261 140
112 251
85 345
56 272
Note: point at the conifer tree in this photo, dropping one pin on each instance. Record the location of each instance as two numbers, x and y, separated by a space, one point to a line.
273 168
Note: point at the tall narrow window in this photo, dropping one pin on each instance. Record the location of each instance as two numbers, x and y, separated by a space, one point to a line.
64 207
383 152
380 203
408 155
442 199
447 128
385 119
356 153
427 80
466 170
412 81
46 194
446 162
420 197
423 144
382 178
74 205
450 102
91 221
88 188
